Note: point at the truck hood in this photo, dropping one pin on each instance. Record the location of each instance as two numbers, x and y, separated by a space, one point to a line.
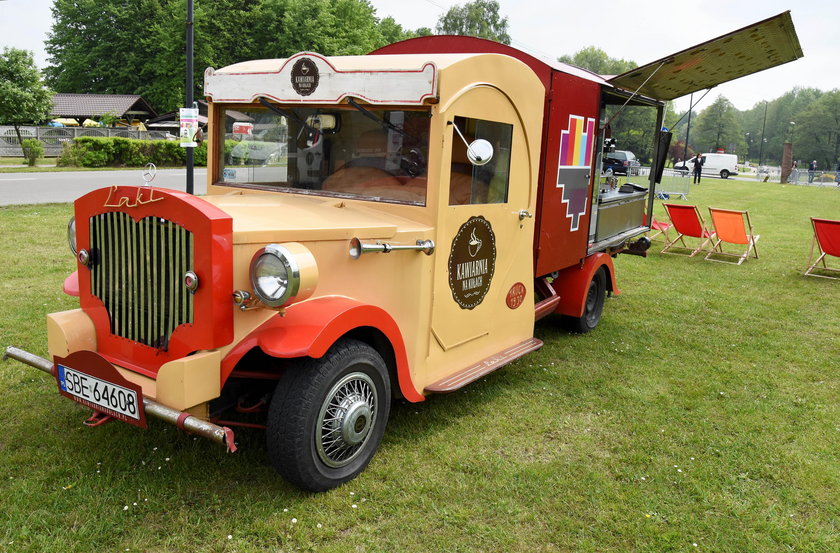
271 217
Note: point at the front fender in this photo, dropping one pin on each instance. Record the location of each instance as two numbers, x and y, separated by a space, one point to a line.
572 284
308 329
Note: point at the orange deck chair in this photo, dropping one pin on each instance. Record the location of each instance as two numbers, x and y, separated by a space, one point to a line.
732 227
687 221
827 239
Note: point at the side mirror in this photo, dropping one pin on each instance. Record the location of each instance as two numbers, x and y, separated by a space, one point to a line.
480 152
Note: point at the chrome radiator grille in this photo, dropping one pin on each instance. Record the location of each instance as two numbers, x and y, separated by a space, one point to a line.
137 272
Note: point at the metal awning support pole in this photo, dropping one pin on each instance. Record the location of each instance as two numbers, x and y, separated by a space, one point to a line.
219 434
635 93
190 99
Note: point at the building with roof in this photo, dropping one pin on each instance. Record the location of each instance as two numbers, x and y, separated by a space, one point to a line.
128 107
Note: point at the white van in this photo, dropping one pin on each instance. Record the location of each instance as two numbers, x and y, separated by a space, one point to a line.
714 165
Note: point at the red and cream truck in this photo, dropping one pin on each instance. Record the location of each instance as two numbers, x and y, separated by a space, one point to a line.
412 213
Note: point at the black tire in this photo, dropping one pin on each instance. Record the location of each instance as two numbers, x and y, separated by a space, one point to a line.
724 174
328 415
594 306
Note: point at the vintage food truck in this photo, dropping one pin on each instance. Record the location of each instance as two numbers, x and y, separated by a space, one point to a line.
422 208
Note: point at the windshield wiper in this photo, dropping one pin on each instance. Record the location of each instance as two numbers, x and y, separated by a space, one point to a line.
387 125
287 114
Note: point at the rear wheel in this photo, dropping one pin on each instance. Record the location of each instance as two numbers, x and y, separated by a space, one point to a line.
594 306
328 416
724 174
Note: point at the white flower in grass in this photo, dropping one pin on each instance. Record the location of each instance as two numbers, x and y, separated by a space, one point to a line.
320 525
294 521
355 506
230 537
125 508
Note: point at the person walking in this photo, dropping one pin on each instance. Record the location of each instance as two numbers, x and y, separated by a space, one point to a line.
812 168
698 168
837 174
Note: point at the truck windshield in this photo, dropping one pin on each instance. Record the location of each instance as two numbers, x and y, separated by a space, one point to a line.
376 154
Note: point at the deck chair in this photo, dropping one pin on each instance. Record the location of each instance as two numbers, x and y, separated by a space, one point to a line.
660 227
732 227
827 239
687 222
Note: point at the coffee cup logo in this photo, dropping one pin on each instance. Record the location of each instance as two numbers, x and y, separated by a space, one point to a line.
305 76
472 261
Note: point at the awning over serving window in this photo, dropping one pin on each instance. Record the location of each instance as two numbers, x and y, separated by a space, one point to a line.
743 52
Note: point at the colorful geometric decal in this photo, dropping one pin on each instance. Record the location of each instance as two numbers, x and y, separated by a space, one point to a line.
576 142
576 147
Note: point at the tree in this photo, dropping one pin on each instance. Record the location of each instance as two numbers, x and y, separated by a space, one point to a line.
717 128
23 97
479 18
596 60
138 46
818 131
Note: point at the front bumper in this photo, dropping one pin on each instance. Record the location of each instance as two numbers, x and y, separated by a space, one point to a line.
194 425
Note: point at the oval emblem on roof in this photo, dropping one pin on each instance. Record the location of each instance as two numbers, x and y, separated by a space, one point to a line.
305 76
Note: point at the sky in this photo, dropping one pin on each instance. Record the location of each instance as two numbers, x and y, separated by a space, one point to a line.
639 30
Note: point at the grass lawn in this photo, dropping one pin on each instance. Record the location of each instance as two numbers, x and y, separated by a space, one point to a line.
701 415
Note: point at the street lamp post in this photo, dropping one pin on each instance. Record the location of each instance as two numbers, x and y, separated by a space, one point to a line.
190 99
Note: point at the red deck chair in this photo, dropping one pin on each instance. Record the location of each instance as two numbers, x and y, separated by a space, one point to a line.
827 239
732 227
687 221
660 227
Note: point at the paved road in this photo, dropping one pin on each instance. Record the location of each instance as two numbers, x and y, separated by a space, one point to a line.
43 188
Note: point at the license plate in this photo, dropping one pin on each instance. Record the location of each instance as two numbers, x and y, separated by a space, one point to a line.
91 380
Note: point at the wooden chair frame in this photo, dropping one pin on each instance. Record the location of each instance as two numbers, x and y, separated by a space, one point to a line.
701 231
723 234
824 224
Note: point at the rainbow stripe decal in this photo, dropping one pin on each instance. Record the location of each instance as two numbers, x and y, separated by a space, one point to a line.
576 142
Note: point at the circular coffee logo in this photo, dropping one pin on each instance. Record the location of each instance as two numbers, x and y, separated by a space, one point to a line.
304 76
472 261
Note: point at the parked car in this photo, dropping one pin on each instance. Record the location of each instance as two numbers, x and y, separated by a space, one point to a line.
714 165
622 162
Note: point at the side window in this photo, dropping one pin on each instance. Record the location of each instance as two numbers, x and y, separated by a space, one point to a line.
480 184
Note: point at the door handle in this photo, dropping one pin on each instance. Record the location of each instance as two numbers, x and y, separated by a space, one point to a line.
524 213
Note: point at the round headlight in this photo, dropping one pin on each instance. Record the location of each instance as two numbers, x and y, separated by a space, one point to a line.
281 274
275 275
71 234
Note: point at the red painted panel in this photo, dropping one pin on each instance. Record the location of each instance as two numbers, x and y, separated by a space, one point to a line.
574 101
308 329
212 231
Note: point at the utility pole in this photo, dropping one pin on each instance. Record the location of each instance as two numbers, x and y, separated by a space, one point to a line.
761 146
190 99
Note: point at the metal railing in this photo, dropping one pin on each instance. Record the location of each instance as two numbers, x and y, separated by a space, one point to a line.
54 138
814 178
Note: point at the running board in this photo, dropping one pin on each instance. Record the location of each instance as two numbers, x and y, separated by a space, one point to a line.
482 368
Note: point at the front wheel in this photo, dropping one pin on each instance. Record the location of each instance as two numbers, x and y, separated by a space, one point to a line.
724 174
328 416
594 306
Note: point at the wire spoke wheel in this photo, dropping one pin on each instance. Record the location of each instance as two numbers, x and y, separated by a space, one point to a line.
346 419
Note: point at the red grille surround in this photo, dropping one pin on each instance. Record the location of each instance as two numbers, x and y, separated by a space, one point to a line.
211 231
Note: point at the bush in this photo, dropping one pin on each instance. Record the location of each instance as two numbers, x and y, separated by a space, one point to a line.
89 151
32 150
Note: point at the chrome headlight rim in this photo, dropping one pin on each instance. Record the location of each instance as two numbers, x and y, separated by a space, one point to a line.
71 235
287 259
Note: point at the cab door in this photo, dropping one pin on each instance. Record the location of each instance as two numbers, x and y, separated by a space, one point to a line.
483 281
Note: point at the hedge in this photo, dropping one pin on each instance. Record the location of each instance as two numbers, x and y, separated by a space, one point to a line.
89 151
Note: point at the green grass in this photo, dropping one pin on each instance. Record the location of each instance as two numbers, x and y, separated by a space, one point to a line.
703 410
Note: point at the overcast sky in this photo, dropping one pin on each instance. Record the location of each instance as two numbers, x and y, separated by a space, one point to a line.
637 30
